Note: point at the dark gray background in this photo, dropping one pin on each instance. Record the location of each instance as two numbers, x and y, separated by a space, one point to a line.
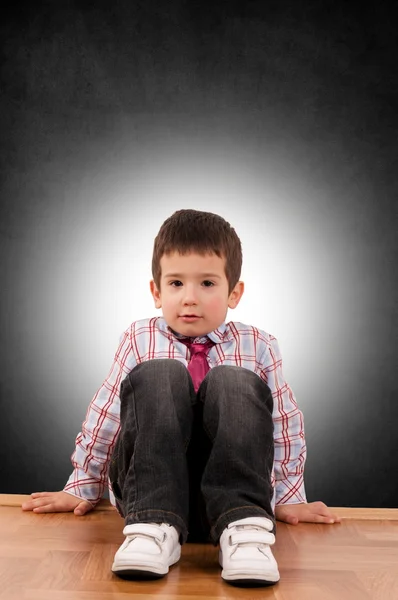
305 93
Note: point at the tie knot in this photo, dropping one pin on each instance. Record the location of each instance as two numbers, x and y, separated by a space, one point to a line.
197 348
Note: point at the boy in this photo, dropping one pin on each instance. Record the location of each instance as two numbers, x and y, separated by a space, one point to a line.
188 420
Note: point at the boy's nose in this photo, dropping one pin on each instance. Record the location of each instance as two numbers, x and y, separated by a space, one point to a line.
190 295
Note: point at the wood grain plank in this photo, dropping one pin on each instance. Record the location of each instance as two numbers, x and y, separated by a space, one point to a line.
63 557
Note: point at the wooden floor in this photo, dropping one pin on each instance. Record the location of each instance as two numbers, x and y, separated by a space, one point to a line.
63 557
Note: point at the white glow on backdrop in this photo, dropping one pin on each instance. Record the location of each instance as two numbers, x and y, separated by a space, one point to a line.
95 281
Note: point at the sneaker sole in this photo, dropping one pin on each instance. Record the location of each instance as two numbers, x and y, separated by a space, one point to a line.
249 579
137 574
249 583
145 571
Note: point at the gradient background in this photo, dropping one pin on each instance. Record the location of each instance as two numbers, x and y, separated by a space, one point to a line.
281 119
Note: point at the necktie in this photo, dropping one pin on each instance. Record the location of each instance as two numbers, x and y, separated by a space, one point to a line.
198 365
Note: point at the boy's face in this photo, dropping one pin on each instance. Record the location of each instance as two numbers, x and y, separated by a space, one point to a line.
193 293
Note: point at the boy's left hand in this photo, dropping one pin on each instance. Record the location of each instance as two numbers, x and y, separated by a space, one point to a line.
313 512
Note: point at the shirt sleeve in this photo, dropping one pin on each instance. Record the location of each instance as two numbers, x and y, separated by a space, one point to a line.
95 442
289 440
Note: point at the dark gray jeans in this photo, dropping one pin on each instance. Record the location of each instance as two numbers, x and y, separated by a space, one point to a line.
196 461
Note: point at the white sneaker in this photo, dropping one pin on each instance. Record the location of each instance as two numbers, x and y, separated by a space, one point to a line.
245 553
147 552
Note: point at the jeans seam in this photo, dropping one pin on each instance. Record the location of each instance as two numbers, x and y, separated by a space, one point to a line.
133 455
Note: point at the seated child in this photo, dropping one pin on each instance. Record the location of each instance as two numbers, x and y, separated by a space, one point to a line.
195 429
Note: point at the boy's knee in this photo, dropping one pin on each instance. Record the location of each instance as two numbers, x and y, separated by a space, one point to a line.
159 367
237 380
160 376
233 375
159 383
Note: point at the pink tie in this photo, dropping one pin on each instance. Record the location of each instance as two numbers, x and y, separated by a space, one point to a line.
198 365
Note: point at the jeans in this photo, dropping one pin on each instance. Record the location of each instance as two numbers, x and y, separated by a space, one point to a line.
198 461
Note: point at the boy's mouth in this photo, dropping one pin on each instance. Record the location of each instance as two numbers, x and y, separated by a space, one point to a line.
189 317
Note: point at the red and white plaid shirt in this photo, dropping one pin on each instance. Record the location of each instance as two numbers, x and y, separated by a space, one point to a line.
234 344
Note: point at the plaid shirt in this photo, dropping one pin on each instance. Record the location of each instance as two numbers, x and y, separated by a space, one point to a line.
234 344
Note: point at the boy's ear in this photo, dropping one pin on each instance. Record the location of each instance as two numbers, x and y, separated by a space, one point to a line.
155 293
236 295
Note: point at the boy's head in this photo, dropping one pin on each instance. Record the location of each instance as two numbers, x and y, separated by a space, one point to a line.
196 265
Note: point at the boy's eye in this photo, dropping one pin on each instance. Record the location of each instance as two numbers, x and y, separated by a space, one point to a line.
177 283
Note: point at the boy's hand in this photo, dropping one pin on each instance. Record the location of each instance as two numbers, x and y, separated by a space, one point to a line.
314 512
45 502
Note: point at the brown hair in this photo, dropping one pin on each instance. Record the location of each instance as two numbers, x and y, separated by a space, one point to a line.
202 232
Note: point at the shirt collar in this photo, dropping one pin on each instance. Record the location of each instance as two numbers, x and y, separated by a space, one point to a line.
221 334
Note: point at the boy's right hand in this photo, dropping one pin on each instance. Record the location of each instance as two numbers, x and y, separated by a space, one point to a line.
45 502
